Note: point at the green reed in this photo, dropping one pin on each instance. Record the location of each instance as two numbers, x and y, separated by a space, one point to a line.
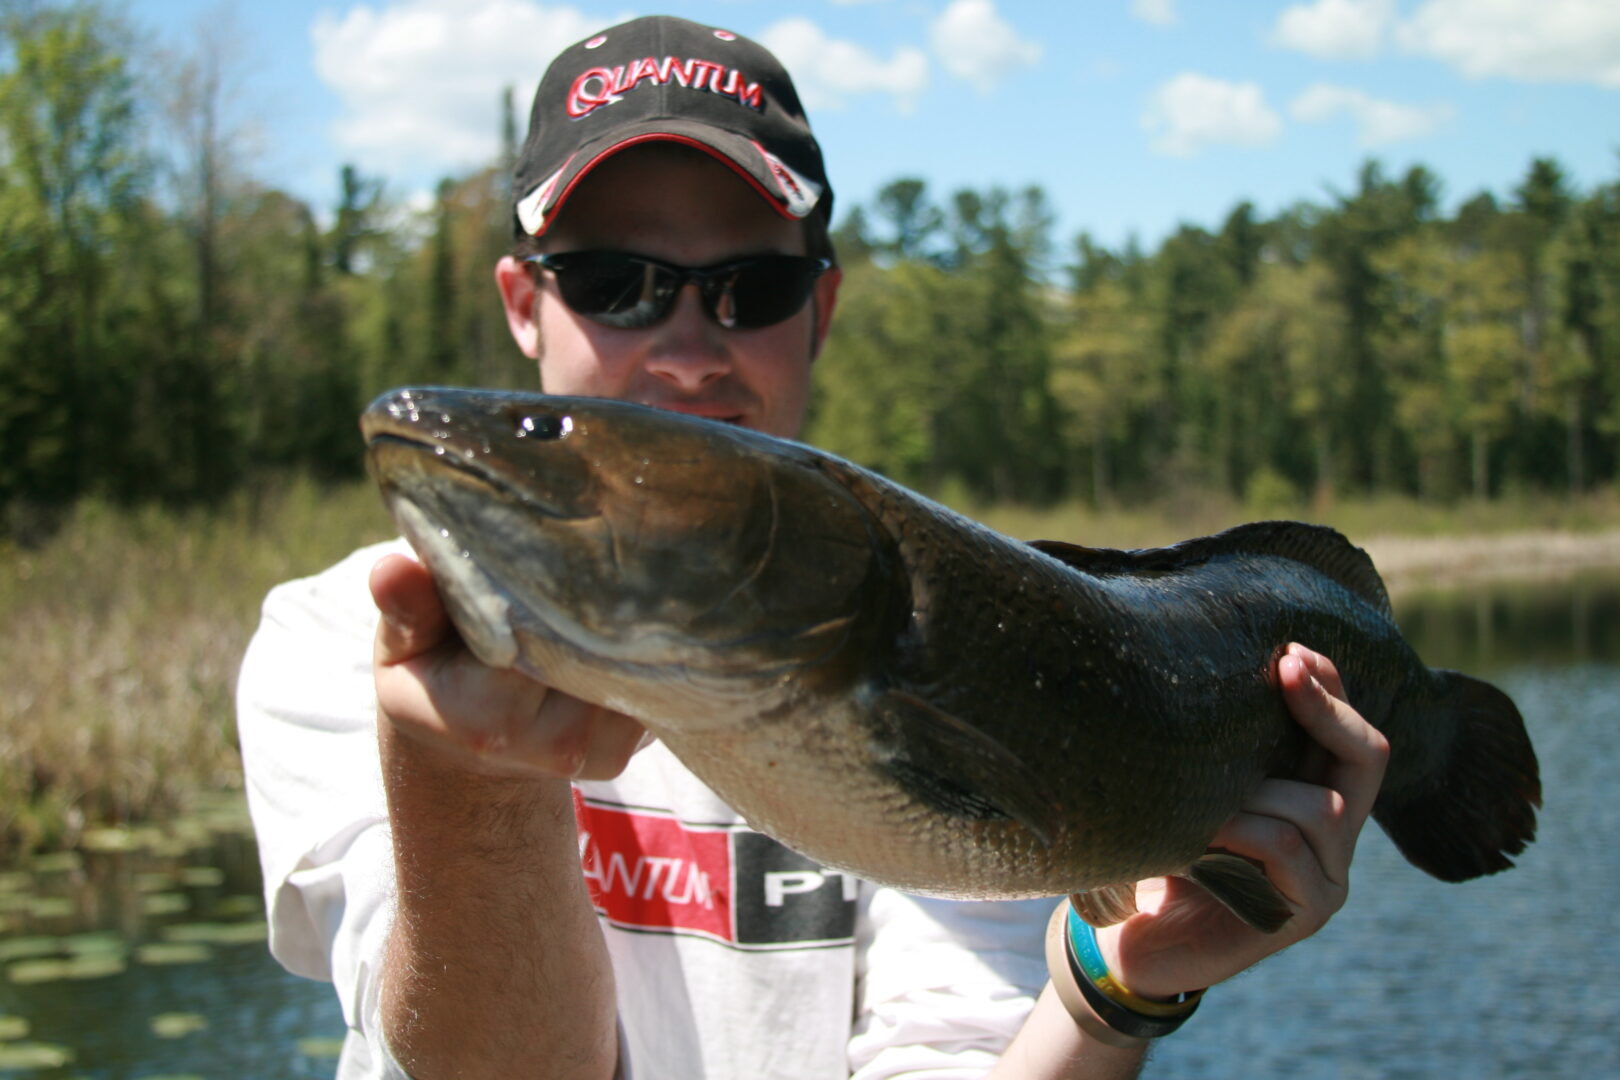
122 635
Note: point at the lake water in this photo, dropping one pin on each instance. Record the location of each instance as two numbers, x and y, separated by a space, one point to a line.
147 959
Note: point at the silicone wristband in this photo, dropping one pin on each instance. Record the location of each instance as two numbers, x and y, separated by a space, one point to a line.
1076 965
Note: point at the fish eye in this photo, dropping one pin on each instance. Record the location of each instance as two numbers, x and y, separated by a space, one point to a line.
544 427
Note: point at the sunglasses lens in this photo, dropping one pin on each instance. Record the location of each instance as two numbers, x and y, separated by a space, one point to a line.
630 293
762 291
616 290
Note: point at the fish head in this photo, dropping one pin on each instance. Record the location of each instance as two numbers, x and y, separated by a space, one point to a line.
596 543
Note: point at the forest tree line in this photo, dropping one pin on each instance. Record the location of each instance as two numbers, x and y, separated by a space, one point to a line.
172 328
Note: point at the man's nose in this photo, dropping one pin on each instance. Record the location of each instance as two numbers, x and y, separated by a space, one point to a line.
689 348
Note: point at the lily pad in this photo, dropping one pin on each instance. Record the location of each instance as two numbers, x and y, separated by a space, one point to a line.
28 948
13 1028
245 933
58 862
29 972
163 953
51 907
165 903
172 847
154 881
25 1055
96 965
230 907
100 943
187 834
321 1048
177 1025
202 877
109 839
89 966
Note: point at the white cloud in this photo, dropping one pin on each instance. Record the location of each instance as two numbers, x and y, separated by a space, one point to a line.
1532 40
420 81
1157 12
1192 111
976 44
1378 122
827 71
1335 29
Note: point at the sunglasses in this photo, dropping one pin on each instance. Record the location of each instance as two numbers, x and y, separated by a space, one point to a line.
629 292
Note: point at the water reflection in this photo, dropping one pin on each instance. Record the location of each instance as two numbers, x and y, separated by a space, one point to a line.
1478 629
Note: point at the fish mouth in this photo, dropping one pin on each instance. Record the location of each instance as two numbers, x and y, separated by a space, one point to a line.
430 487
465 466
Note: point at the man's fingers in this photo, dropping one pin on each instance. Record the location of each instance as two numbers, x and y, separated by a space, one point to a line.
1316 813
595 742
1358 752
1321 667
494 720
413 617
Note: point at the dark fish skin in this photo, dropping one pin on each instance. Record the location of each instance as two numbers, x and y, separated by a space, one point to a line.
903 694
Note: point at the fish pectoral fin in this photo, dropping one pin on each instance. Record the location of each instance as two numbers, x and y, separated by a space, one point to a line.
1105 906
1242 886
955 767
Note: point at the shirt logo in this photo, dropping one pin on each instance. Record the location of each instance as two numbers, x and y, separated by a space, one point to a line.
599 86
649 871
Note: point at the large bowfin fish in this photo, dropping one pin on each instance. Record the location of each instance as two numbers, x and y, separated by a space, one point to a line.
907 696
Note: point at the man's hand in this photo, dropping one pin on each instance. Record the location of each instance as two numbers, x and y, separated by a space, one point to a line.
1302 830
495 960
499 723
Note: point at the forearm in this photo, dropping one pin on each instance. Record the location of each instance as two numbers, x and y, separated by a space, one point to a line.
495 965
1051 1046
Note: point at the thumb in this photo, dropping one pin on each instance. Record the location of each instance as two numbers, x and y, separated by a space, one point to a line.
413 616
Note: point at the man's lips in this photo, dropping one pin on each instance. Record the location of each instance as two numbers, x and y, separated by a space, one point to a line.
727 412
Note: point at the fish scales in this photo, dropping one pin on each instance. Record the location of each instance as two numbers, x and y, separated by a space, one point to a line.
903 694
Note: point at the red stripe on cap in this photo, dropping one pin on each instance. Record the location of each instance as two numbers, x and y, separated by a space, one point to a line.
685 140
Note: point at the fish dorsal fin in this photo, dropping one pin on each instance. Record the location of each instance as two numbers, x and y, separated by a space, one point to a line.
954 766
1317 546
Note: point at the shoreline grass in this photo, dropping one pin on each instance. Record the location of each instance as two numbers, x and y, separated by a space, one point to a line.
123 634
122 637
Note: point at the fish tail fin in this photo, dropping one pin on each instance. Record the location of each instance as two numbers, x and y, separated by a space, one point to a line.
1479 806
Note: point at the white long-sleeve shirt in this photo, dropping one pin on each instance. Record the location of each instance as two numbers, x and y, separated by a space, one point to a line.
734 957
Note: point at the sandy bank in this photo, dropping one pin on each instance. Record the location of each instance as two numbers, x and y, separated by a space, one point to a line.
1417 562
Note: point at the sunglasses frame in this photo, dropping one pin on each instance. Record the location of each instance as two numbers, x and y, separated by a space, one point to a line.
714 285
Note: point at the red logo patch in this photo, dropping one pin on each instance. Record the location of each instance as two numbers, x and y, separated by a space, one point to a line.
648 870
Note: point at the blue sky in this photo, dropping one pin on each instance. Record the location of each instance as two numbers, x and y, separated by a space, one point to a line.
1133 115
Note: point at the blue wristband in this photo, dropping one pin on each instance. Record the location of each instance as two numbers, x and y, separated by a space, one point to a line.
1115 1004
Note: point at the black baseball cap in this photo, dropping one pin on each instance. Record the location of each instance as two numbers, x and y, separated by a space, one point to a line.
661 78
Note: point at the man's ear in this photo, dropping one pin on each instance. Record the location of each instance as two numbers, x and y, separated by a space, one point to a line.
825 300
518 295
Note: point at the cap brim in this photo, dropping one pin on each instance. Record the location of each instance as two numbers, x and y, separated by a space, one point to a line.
789 193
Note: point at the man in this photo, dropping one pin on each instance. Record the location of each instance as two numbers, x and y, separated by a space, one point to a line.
501 880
